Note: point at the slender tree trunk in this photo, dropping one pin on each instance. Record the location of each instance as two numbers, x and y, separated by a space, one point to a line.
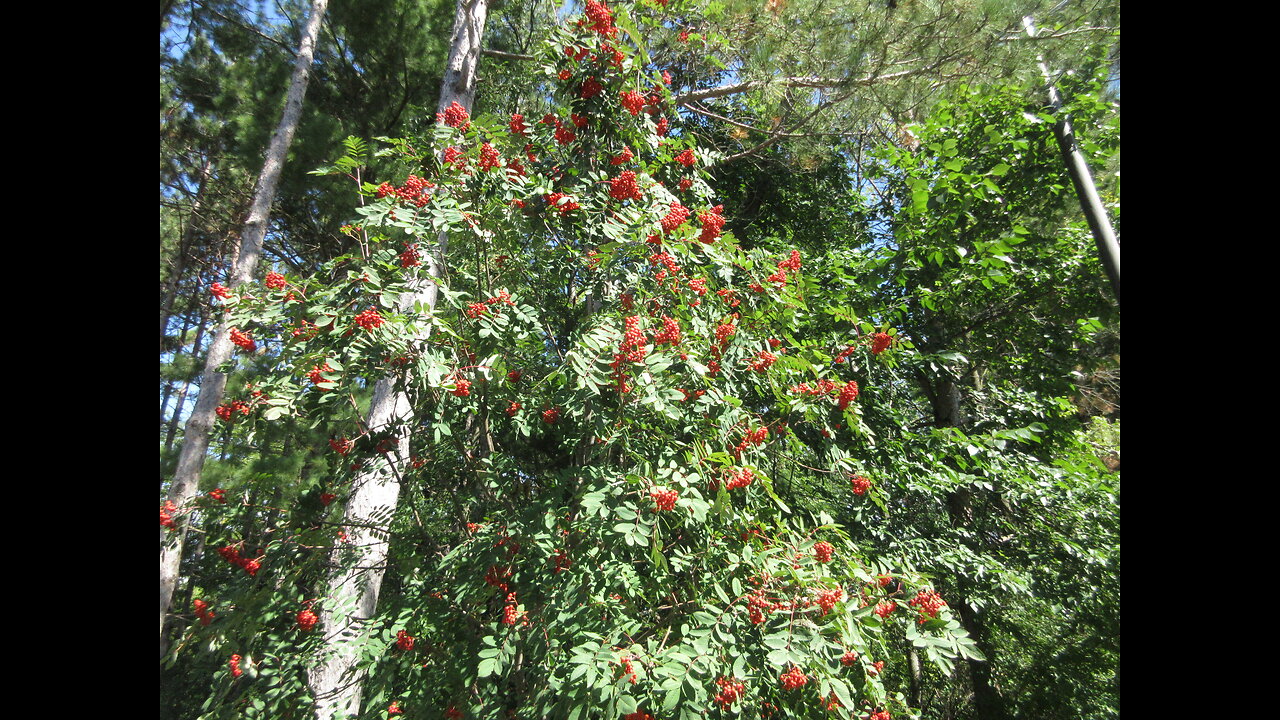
355 579
184 243
186 387
195 443
988 701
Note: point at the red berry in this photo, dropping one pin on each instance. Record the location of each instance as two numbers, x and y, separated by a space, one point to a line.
665 498
404 640
307 619
793 679
823 551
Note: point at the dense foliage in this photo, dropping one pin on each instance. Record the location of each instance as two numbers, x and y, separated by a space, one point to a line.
664 462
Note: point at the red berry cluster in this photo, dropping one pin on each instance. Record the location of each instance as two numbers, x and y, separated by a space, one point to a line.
551 416
561 202
663 127
315 374
410 257
462 387
235 666
848 394
624 187
563 134
497 576
739 479
489 158
845 353
637 715
691 394
166 513
686 158
860 484
510 616
793 679
225 412
670 333
880 342
342 446
753 437
560 561
275 281
928 603
218 494
219 291
243 340
875 669
455 116
632 101
203 612
823 551
712 223
624 156
453 155
792 263
759 607
625 663
370 319
822 387
886 608
231 553
724 331
599 19
513 409
326 498
665 498
827 599
415 189
590 88
394 709
307 619
879 715
849 658
674 218
453 713
518 126
664 259
731 691
404 641
764 360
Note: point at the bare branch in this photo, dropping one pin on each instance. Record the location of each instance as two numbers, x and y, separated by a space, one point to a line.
505 55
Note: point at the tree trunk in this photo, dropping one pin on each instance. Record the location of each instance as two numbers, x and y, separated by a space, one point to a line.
184 243
358 566
195 442
988 701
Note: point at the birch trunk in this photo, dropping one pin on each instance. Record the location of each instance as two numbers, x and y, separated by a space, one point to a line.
357 567
195 443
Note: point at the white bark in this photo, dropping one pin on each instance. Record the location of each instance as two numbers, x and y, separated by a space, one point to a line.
355 579
195 443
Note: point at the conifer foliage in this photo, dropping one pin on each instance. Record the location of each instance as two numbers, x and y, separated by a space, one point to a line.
605 395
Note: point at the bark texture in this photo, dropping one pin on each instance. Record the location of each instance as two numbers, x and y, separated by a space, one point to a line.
195 444
355 579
